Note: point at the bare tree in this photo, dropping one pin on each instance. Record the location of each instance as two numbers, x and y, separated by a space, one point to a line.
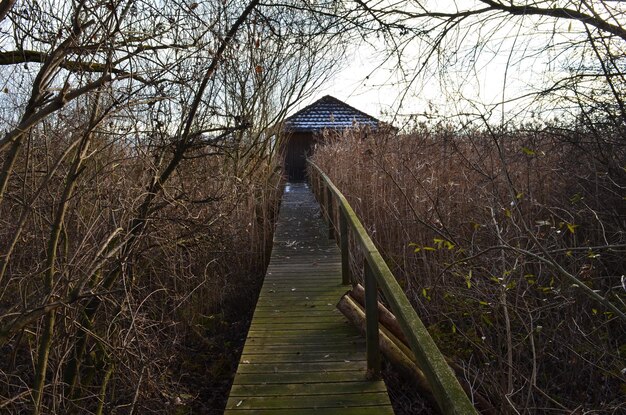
138 128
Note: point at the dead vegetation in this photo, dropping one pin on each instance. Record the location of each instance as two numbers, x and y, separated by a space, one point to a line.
511 247
138 189
169 327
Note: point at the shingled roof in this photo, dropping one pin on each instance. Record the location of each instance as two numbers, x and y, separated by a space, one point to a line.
328 113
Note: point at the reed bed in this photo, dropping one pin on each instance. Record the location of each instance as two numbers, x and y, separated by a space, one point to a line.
484 231
145 322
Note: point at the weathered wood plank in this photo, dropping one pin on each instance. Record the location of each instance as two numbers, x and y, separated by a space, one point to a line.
301 367
311 389
308 328
318 322
301 355
308 401
288 319
302 336
362 410
356 347
298 356
272 312
302 342
287 288
297 307
288 378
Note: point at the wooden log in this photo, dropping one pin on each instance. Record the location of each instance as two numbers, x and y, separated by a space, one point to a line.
385 317
398 358
398 352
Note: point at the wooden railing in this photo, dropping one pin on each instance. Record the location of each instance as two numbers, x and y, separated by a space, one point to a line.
446 389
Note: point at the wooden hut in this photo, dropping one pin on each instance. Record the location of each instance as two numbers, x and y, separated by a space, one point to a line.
302 129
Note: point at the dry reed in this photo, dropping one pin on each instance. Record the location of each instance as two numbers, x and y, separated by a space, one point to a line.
164 335
475 226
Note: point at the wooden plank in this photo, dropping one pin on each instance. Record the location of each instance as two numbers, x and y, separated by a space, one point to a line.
286 282
309 273
301 367
292 287
304 272
302 341
300 291
301 355
293 294
362 410
301 325
298 356
309 401
273 312
287 378
300 276
304 266
310 333
276 318
331 347
299 303
302 296
297 307
328 305
310 389
306 334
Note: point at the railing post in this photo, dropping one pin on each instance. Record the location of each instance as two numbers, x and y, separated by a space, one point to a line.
313 180
320 191
343 243
371 323
329 212
318 184
322 198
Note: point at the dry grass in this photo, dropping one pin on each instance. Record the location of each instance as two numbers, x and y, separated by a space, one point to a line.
167 331
475 225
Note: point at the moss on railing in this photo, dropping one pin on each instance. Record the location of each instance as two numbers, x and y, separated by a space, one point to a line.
447 390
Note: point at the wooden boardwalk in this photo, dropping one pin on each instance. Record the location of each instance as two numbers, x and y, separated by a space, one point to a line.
301 356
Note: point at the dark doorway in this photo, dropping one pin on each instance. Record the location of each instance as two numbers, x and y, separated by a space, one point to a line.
299 147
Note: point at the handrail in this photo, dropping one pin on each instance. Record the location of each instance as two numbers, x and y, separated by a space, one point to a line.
446 389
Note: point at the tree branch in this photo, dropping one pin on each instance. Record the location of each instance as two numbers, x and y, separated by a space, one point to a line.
5 7
561 13
14 57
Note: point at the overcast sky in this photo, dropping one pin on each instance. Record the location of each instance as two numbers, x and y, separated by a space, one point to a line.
475 82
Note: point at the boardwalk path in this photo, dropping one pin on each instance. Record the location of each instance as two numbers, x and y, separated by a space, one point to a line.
301 356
